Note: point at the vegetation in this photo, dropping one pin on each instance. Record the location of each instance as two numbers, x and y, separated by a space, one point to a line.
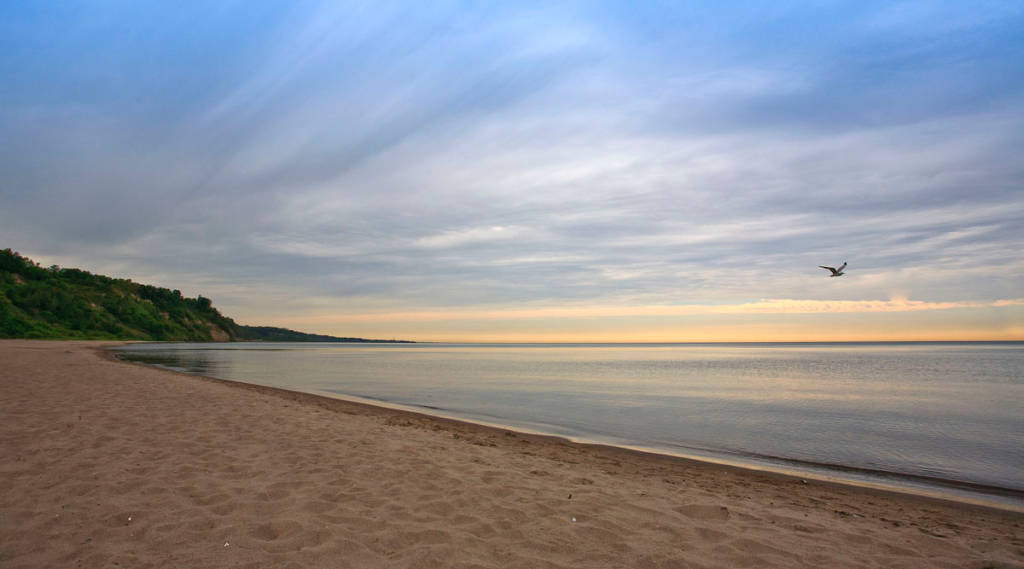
57 303
272 334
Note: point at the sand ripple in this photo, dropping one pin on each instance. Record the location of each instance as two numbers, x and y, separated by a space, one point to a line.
105 464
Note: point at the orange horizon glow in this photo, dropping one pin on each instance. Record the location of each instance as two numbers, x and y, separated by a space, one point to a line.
769 320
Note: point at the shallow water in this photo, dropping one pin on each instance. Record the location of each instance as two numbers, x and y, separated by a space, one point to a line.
947 411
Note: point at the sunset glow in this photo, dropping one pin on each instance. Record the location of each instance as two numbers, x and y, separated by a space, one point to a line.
598 171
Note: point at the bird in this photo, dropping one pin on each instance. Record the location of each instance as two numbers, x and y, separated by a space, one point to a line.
835 272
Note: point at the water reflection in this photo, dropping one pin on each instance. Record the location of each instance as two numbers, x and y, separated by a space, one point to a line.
915 409
198 362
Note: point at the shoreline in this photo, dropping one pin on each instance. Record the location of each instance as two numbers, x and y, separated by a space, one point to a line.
107 463
932 488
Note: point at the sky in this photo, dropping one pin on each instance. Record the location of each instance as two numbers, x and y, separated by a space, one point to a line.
531 171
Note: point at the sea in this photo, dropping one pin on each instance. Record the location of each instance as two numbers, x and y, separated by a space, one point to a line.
943 419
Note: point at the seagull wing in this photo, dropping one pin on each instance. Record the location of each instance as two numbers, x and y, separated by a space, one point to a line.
843 266
834 271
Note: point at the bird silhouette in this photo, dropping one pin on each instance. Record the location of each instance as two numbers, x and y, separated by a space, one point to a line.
835 272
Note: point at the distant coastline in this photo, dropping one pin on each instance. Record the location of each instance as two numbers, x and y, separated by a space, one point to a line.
275 334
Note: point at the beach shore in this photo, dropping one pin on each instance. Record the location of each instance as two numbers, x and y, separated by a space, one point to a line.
110 464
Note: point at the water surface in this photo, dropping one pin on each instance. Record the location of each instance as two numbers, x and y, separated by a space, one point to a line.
928 415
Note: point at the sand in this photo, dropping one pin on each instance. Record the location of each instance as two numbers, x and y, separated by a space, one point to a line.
110 464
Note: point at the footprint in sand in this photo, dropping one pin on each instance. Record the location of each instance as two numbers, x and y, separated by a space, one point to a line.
210 499
708 535
757 547
224 509
319 507
704 512
119 519
275 492
285 535
273 531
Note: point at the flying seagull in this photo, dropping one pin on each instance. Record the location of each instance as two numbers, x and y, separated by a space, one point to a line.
835 272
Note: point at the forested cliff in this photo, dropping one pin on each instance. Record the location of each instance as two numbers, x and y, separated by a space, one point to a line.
55 302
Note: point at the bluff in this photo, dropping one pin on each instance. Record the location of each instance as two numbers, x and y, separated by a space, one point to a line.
63 303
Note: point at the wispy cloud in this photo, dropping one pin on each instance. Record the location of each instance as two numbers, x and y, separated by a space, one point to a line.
476 235
767 306
495 156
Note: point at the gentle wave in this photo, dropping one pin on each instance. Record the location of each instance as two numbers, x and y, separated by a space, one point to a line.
932 417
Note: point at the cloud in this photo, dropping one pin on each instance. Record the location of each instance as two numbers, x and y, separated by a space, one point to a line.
761 307
390 156
475 235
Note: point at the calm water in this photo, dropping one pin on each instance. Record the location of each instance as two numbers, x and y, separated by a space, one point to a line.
887 414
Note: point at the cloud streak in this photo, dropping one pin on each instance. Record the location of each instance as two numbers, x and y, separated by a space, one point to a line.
767 306
409 159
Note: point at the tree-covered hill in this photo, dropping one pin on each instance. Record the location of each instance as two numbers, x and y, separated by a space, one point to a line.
274 334
58 303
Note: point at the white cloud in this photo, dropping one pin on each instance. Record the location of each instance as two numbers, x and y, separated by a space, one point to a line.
543 156
477 235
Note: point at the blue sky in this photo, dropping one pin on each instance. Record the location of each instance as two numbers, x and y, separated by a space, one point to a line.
549 171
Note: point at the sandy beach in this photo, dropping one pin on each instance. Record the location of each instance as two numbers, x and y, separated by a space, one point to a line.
110 464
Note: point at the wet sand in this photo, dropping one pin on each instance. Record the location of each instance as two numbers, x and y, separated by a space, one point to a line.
110 464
